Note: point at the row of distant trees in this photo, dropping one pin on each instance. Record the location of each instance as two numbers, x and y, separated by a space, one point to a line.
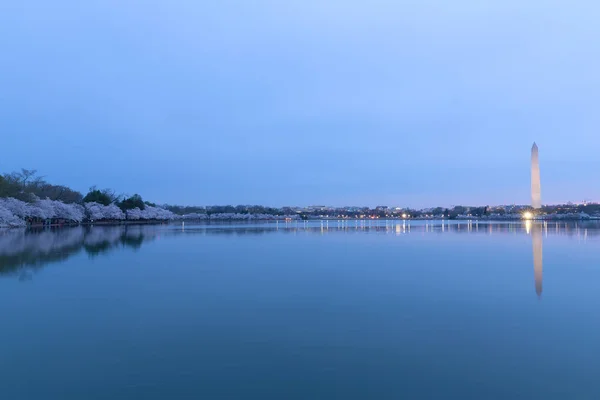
381 212
445 212
28 199
452 212
592 209
26 185
240 209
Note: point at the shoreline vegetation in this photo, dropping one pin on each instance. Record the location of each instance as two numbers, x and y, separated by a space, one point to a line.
27 200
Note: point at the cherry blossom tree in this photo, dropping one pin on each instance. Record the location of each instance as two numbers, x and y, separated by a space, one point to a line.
71 212
97 212
44 209
15 212
134 214
15 207
112 211
94 211
149 213
156 213
8 219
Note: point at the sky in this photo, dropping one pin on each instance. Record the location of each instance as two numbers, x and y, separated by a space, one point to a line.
300 102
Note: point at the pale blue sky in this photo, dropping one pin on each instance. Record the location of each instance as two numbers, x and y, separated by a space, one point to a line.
410 103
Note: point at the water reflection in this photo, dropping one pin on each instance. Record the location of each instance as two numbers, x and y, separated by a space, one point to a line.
24 251
536 239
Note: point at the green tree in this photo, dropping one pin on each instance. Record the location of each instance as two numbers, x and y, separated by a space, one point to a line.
97 196
5 188
132 202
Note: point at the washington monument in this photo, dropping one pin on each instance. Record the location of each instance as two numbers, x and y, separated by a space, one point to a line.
536 193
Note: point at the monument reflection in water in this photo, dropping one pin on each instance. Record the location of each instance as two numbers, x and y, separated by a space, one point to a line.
536 239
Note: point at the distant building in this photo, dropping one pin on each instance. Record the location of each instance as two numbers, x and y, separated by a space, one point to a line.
536 192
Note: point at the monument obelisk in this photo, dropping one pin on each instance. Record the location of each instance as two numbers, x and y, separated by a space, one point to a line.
536 192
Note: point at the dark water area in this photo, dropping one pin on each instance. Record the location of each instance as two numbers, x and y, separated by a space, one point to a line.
349 310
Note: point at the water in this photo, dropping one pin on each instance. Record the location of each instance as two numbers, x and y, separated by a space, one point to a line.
348 310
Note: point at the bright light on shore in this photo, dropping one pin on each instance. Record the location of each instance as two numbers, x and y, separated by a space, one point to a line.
527 215
403 215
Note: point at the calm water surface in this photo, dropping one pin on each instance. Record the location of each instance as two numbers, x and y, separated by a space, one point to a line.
302 311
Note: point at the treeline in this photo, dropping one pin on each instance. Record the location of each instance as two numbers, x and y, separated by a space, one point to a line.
385 212
27 199
240 209
335 212
455 212
589 208
26 185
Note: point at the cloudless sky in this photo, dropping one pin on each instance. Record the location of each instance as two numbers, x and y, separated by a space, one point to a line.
298 102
